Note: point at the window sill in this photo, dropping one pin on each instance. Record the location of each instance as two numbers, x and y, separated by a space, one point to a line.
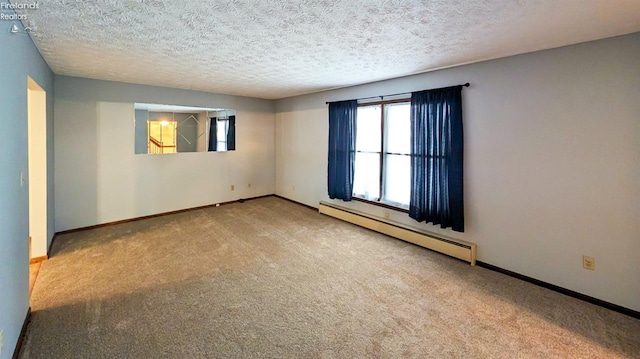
381 204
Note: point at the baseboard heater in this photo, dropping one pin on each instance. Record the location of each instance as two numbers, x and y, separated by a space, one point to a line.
456 248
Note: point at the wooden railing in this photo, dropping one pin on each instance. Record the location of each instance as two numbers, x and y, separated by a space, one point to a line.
157 147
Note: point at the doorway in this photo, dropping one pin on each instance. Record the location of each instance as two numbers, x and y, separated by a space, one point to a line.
37 176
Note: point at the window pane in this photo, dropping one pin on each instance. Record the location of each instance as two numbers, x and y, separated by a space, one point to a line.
368 128
366 181
398 128
222 130
397 180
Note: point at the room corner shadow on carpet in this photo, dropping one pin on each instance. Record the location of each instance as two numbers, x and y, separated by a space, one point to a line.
189 319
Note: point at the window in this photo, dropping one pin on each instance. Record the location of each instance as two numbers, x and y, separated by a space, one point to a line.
222 128
382 162
401 154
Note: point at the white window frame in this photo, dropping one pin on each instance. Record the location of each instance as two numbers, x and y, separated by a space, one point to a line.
381 200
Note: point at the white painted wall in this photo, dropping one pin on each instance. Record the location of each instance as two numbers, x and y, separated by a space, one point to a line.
552 161
37 177
99 179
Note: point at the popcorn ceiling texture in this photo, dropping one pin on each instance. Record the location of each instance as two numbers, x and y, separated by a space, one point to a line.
280 48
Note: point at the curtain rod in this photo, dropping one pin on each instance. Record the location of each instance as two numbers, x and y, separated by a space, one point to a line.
397 94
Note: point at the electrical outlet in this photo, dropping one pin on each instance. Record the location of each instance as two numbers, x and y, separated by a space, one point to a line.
588 263
249 185
233 187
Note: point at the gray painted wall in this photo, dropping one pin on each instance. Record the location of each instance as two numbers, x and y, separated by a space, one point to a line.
99 179
141 132
20 59
552 161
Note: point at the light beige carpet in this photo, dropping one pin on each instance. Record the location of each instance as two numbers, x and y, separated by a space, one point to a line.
271 279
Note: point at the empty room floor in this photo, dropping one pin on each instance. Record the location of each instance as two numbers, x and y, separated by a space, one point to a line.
269 278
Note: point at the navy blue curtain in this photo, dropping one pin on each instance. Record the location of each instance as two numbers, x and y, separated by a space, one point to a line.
342 145
436 158
213 134
231 134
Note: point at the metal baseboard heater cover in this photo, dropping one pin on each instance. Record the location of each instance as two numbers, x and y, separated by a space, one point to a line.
456 248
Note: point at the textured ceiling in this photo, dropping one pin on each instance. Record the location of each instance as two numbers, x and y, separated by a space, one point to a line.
280 48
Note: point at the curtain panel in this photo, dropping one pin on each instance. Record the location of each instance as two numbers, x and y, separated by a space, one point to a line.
213 134
436 158
231 134
342 143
